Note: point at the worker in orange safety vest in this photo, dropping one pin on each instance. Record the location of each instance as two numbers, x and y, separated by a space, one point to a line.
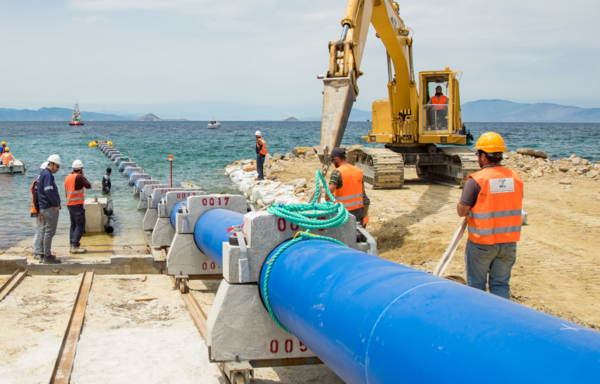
492 199
7 157
347 186
74 185
261 154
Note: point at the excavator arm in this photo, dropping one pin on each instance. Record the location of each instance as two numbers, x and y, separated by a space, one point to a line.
346 54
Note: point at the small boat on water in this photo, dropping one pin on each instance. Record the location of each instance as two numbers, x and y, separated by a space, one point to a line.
76 119
214 124
15 166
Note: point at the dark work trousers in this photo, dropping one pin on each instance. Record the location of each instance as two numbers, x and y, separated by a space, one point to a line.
77 213
260 162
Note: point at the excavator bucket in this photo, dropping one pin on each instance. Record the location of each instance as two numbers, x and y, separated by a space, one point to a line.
338 99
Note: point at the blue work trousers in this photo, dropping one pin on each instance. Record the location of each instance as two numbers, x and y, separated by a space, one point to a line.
260 163
77 213
490 265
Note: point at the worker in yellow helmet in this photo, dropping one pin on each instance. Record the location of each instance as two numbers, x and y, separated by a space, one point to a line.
3 148
492 199
6 157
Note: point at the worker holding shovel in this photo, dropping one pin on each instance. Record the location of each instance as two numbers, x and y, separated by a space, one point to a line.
492 200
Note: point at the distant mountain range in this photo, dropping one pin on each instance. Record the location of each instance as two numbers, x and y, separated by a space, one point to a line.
56 114
507 111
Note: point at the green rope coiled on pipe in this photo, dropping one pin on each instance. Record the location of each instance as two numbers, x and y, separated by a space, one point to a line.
305 215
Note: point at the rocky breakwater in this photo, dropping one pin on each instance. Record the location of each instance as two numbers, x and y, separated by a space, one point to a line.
536 164
270 191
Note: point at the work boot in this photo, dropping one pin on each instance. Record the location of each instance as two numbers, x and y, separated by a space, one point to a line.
37 257
75 249
50 259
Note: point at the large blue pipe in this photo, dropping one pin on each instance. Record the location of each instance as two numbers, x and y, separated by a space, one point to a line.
211 232
174 212
374 321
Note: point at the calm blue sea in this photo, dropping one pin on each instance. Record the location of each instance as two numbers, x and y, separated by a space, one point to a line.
201 154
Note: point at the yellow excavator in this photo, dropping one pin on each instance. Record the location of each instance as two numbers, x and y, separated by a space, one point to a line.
415 130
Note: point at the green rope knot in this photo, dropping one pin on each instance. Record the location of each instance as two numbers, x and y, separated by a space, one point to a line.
310 216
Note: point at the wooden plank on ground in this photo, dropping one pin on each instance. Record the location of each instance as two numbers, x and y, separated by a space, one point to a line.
12 283
66 355
196 312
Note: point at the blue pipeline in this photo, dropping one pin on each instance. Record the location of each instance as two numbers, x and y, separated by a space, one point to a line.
211 232
132 173
124 168
174 211
374 321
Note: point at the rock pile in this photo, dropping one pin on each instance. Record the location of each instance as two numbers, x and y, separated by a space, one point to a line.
265 192
536 164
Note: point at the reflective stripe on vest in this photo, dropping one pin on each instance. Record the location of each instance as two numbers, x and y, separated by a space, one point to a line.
74 196
496 217
262 141
33 210
351 193
440 100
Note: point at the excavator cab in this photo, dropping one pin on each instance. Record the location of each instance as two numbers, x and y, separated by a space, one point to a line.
439 105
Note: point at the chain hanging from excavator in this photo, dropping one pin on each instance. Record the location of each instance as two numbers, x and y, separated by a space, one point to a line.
416 130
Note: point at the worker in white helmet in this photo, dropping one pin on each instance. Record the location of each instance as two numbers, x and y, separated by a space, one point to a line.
49 201
261 153
74 185
35 209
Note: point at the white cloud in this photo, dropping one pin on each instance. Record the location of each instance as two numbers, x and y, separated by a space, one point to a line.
91 19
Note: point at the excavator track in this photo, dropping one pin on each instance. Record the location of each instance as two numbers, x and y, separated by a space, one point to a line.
461 163
382 168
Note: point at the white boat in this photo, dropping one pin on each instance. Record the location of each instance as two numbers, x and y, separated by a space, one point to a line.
15 166
214 124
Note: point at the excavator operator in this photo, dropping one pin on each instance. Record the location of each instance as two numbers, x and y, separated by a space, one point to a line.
437 114
347 186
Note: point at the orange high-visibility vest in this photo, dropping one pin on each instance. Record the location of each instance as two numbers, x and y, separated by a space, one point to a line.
439 100
496 217
6 158
33 210
74 196
262 141
351 193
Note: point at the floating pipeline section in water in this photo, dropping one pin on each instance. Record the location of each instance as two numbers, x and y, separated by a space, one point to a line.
211 231
374 321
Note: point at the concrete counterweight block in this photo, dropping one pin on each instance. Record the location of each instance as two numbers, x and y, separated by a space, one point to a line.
154 197
145 191
184 255
129 170
125 164
164 230
133 178
95 218
137 187
115 155
242 326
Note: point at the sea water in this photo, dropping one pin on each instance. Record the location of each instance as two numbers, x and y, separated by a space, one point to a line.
200 156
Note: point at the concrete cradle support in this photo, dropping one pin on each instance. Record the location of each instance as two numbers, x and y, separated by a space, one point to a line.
184 255
146 191
129 170
375 321
125 164
133 177
139 184
168 206
152 201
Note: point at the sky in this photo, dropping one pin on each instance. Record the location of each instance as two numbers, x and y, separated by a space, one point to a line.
249 60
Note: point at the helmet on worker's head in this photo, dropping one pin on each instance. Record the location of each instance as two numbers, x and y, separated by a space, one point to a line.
490 142
44 165
77 165
438 87
7 149
4 143
54 159
257 133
